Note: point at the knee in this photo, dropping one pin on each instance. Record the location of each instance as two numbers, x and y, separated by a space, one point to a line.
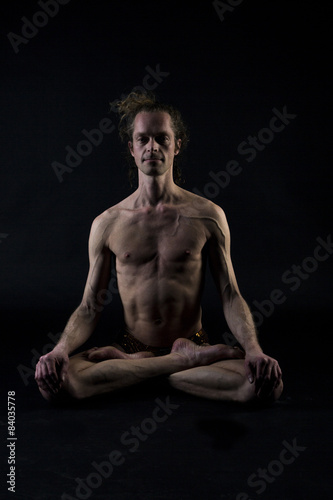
277 391
47 395
247 394
70 390
176 380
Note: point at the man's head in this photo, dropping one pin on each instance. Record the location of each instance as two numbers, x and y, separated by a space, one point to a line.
153 145
151 128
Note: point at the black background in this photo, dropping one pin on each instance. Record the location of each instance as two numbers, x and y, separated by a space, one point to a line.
226 76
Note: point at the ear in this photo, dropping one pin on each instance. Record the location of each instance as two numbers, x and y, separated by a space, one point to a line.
130 147
178 144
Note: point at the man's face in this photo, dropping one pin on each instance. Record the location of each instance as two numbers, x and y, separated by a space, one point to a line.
153 147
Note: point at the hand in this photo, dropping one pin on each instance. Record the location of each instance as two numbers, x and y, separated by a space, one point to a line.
264 372
51 370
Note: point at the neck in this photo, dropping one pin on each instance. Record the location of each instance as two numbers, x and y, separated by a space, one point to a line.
154 190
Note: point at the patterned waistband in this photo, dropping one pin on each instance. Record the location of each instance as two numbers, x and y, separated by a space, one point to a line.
132 345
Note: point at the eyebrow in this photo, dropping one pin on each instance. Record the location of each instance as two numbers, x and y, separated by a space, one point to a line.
138 134
162 132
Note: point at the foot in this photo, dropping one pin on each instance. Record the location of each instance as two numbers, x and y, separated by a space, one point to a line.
205 354
110 352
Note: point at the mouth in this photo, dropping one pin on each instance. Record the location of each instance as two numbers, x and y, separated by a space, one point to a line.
152 158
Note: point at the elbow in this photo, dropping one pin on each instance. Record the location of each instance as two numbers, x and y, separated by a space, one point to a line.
231 297
87 311
230 293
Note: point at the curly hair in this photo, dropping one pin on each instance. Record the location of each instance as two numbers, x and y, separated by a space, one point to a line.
137 102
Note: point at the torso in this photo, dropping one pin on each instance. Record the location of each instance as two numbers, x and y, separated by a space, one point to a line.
160 263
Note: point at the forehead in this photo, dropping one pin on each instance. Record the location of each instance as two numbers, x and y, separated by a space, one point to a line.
152 123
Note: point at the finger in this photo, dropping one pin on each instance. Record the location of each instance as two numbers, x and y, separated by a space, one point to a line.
278 376
48 384
268 383
42 372
40 381
37 371
52 371
271 381
279 371
50 377
63 370
264 382
249 371
261 368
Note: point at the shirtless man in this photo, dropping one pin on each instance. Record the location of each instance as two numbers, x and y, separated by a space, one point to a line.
160 237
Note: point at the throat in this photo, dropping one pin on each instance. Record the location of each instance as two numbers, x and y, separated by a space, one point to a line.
155 190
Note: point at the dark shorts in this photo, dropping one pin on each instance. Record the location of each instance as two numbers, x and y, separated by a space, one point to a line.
132 345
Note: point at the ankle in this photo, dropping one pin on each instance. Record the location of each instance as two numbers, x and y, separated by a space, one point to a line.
181 361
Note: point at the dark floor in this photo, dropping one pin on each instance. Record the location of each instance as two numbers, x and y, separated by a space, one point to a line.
152 442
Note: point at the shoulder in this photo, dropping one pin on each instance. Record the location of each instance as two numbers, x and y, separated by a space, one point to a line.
109 217
200 204
103 225
104 220
212 215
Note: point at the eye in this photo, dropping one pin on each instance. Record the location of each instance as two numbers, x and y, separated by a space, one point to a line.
162 139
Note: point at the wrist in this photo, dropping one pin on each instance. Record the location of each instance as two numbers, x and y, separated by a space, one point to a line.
61 348
253 350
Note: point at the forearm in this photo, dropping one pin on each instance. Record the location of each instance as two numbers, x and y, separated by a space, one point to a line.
240 321
79 328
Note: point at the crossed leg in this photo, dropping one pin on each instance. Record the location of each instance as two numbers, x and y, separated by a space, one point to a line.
210 371
224 380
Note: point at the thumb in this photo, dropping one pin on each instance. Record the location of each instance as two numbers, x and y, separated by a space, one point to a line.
63 370
249 372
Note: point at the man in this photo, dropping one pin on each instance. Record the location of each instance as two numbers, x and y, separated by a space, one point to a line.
160 237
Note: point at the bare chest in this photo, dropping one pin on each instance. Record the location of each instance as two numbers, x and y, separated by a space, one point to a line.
143 237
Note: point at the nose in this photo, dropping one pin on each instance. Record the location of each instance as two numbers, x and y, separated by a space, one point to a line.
152 145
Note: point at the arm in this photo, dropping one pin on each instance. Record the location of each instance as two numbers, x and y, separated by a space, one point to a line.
52 368
83 321
260 368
